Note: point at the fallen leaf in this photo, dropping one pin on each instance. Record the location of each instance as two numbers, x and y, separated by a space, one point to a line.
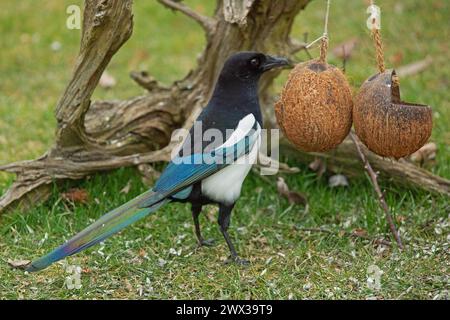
318 166
360 232
297 198
86 270
282 187
315 165
292 196
345 49
338 180
107 81
19 264
127 188
415 67
76 195
142 253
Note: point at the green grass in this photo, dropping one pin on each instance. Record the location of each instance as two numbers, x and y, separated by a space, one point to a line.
286 261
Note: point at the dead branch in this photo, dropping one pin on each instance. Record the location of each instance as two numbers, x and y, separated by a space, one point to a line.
207 23
373 178
146 81
296 45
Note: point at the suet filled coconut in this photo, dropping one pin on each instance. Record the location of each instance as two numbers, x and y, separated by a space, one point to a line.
387 125
315 108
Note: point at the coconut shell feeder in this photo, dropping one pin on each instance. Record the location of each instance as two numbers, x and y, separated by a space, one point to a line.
315 107
387 125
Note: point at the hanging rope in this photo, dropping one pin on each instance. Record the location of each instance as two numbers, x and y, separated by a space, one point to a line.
324 44
374 24
379 49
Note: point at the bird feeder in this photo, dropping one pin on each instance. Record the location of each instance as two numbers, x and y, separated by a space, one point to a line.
387 125
315 107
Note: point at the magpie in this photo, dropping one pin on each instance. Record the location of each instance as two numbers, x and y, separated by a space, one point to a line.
206 169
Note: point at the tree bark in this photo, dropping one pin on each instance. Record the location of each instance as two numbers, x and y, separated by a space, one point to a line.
345 159
105 135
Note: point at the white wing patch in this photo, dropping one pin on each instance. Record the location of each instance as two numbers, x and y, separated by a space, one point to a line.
243 128
225 185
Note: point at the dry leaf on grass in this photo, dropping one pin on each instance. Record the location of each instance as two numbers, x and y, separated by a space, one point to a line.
126 189
360 232
292 196
282 187
19 264
76 195
142 253
318 166
338 180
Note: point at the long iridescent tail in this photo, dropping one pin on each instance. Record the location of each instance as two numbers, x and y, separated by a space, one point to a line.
106 226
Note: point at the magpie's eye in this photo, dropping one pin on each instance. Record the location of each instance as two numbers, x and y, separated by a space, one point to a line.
254 62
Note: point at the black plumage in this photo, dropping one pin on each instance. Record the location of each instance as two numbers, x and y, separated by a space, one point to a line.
235 96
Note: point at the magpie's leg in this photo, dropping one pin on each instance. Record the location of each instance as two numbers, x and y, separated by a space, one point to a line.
224 223
196 210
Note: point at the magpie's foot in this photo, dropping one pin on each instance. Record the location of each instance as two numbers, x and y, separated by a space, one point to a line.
237 260
207 243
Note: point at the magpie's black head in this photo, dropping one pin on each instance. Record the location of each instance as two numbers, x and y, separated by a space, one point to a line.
249 66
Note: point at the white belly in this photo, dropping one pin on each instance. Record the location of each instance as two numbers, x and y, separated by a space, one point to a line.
225 185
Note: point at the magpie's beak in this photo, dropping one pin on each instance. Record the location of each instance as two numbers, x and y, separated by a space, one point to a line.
274 62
